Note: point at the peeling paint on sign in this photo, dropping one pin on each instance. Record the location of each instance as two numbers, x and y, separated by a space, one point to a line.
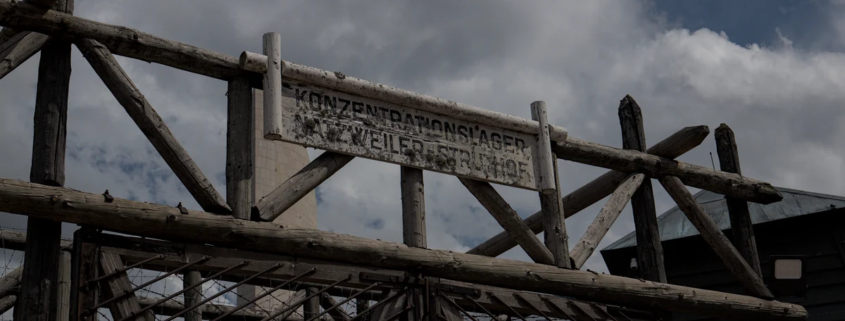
343 123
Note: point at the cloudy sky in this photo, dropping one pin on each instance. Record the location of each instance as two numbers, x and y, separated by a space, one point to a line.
772 70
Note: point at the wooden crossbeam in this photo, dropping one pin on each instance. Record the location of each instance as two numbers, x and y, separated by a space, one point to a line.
649 247
717 240
673 146
132 43
604 220
300 184
741 226
509 220
18 49
167 222
152 126
119 285
8 33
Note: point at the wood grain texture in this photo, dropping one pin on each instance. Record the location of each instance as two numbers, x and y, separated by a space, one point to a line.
166 222
649 247
509 220
39 278
413 207
18 49
272 87
714 237
118 285
673 146
193 296
300 184
741 226
554 223
605 219
240 147
8 33
63 295
152 126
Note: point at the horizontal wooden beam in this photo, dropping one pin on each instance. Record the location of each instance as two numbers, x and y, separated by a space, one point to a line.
299 185
728 184
673 146
509 220
604 220
167 222
152 126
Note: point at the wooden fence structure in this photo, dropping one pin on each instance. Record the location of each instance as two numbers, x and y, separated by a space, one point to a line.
231 238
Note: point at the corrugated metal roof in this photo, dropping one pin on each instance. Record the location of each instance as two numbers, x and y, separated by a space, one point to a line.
673 224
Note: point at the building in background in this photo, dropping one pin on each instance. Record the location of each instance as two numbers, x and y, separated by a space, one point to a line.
805 226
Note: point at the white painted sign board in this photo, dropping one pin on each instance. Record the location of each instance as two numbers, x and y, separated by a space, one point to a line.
339 122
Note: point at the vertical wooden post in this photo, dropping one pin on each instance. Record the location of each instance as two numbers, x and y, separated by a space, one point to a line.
311 307
554 224
413 223
39 282
84 266
741 225
192 296
273 86
361 305
649 248
240 144
118 285
63 296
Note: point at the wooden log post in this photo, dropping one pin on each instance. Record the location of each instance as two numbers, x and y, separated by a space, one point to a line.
300 184
152 126
40 277
118 285
63 296
273 86
714 237
361 305
168 223
85 265
193 296
608 214
413 229
240 146
649 248
509 220
673 146
311 307
554 224
741 226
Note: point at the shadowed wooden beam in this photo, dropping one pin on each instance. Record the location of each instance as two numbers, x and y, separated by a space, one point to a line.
673 146
17 50
118 285
11 281
649 248
608 214
717 240
741 226
152 126
509 220
299 185
8 33
7 303
240 144
40 275
339 313
167 222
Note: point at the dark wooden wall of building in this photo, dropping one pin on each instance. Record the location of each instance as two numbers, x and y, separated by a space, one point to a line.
690 262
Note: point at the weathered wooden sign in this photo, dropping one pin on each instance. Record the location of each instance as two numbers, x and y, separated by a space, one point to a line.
336 121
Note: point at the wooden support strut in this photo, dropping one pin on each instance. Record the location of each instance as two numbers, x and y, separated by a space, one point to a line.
119 285
152 126
40 275
741 226
166 222
673 146
272 87
604 220
18 49
649 247
509 220
717 240
554 224
135 44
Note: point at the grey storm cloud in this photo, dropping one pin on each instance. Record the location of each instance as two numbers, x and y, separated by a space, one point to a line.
581 58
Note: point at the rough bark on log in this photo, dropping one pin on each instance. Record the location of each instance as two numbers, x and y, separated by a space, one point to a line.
11 281
299 185
339 314
509 220
240 146
649 247
741 226
554 223
18 49
717 240
193 296
608 214
728 184
412 187
39 279
673 146
152 126
272 88
118 285
166 222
